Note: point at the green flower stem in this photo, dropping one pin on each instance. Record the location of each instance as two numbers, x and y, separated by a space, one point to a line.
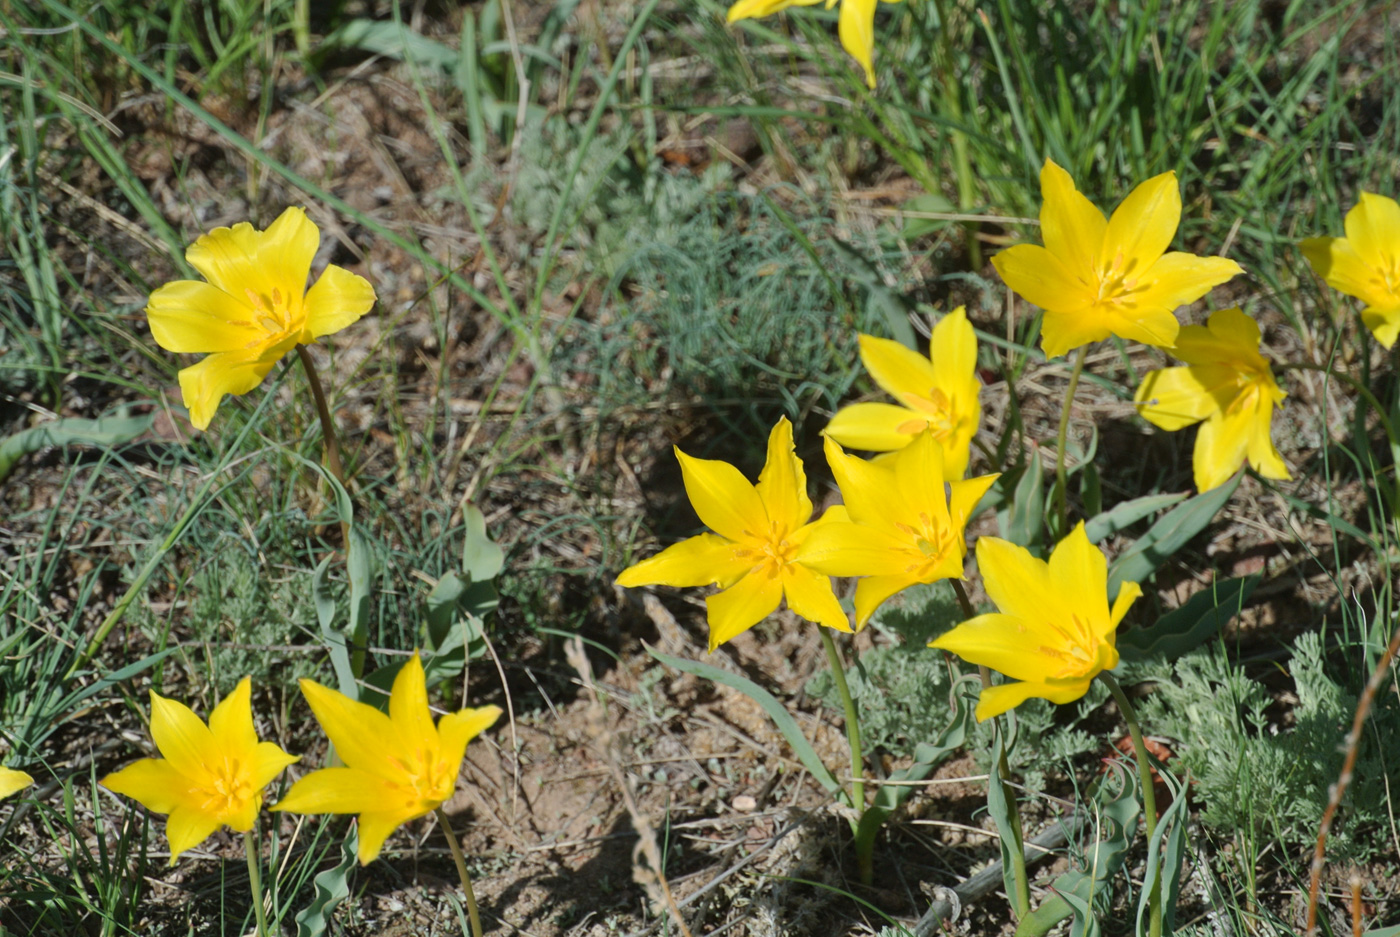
1149 794
1061 485
1022 898
838 672
962 163
329 439
250 846
460 860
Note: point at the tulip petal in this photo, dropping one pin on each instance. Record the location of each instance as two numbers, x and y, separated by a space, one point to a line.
339 298
723 498
919 478
1042 279
810 595
1076 560
408 707
154 783
1260 450
374 829
338 790
856 30
1143 225
875 427
363 736
1062 332
698 561
1337 261
203 385
12 782
872 591
1128 593
187 828
1001 642
996 700
231 722
1373 229
963 497
455 730
242 258
1221 445
867 488
782 485
1072 227
183 738
898 369
1383 323
1173 398
1020 586
839 549
269 761
746 9
190 316
245 814
1178 279
742 605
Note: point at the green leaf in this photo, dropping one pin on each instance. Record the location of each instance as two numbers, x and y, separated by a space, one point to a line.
775 710
332 887
333 639
395 40
1169 534
1022 521
1191 625
1008 826
1125 514
928 203
1166 852
360 567
482 558
105 432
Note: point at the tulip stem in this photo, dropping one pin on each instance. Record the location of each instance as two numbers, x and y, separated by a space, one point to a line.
1149 794
461 862
1061 485
250 846
838 673
328 436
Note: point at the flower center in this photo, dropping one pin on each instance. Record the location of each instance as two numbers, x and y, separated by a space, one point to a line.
273 313
770 552
229 790
1118 281
940 420
929 545
1079 653
427 781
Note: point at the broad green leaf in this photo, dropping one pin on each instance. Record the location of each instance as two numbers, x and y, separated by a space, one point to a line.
1022 521
1191 625
332 887
393 39
926 204
104 432
482 558
775 710
1009 831
1166 852
331 637
1125 514
1169 534
360 567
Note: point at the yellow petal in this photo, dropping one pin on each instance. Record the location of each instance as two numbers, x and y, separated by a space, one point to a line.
1221 445
1373 228
339 298
203 385
1143 225
1062 332
872 591
746 9
1336 260
152 782
810 595
856 29
1178 279
724 499
742 605
183 738
899 370
408 707
1154 325
191 316
953 351
838 549
1001 643
269 761
1173 398
12 782
1260 450
363 736
1081 571
875 427
242 258
1128 593
231 722
1042 279
782 485
1072 227
244 814
1020 586
919 477
374 829
1383 323
457 729
963 498
187 828
338 790
867 488
698 561
996 700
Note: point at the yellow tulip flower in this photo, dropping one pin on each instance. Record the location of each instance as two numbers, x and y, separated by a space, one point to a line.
938 393
1365 263
254 309
211 776
906 520
1100 276
750 556
1054 632
398 767
12 782
1228 384
855 24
